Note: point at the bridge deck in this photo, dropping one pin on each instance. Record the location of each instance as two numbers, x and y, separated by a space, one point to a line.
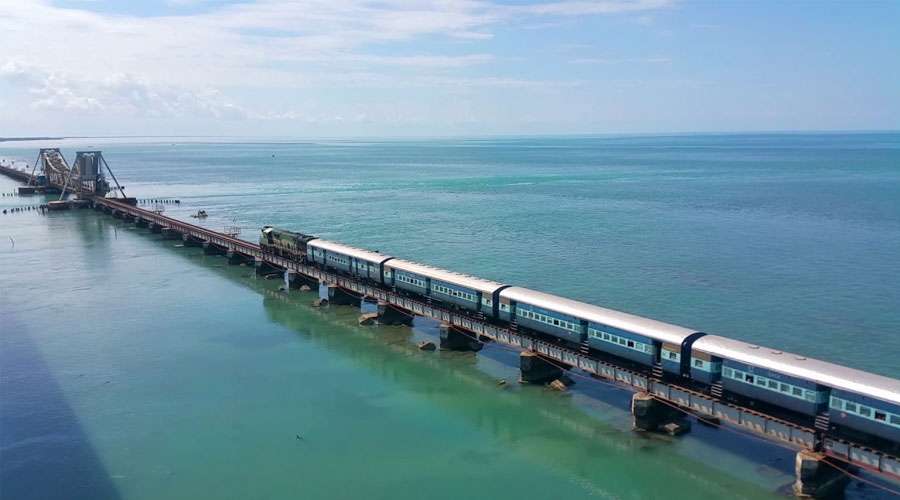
700 404
768 426
15 174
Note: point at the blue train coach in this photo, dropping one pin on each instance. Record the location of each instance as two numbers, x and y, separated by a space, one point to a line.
606 330
349 260
461 290
782 379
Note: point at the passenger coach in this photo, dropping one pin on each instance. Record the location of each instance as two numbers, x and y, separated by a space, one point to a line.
606 330
350 260
853 399
461 290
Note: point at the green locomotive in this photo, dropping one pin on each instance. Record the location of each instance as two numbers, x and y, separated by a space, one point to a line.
284 243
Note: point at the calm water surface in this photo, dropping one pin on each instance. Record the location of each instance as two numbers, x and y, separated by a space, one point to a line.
131 368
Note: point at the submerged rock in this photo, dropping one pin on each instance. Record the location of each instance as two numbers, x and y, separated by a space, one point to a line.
558 385
320 302
676 428
368 319
427 346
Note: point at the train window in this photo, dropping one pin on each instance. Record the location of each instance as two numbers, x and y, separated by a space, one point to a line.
895 419
630 343
773 384
761 382
880 416
796 391
810 396
849 406
785 388
865 411
748 378
727 372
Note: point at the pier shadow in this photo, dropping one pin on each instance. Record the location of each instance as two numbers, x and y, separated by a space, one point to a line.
44 452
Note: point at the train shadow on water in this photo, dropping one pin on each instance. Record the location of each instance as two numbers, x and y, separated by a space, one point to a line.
44 451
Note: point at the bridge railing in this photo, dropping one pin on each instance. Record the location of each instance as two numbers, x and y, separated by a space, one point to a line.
703 405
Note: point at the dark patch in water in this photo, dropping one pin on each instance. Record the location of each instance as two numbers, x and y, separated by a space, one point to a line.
44 452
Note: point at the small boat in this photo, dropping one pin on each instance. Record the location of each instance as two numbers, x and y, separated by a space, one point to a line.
201 214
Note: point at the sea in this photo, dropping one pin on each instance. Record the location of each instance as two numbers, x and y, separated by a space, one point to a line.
132 367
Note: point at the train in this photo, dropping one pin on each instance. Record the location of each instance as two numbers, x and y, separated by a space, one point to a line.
848 400
284 243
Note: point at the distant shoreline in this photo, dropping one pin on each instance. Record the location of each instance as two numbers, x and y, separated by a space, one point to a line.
13 139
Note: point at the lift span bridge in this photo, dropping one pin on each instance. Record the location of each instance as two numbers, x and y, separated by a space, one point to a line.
85 179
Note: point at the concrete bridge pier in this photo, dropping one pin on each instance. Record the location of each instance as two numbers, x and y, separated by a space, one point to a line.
169 234
815 478
337 295
295 280
263 268
191 241
298 280
210 248
235 258
537 370
390 315
652 415
454 339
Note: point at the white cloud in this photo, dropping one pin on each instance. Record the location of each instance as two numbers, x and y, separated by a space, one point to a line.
579 8
603 60
177 65
116 94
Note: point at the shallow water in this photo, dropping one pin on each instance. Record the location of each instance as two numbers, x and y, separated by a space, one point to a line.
135 369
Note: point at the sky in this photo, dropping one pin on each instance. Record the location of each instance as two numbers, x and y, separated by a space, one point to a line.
388 68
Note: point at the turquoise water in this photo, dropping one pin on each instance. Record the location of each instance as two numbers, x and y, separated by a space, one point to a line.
135 369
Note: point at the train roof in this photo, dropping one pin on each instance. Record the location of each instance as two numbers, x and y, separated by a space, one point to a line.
269 229
796 365
652 328
455 278
349 251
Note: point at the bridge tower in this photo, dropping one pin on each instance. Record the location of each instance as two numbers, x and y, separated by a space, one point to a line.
87 174
86 178
53 164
